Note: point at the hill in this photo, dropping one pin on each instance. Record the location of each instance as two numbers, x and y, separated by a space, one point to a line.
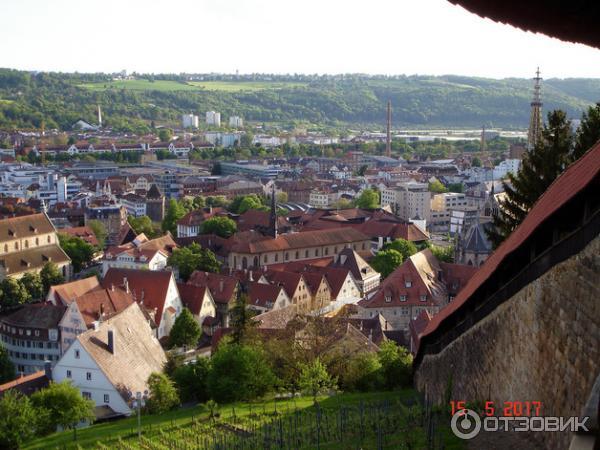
57 100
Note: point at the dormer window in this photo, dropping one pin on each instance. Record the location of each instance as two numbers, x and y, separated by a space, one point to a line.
423 297
388 298
12 233
32 228
408 283
403 298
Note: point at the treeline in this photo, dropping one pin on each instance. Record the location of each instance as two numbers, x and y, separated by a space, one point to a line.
56 100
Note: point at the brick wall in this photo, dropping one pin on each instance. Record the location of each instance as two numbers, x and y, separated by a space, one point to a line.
542 344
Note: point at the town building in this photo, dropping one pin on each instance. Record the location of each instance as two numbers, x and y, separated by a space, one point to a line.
250 170
189 121
110 364
236 122
155 204
408 200
141 253
213 118
27 244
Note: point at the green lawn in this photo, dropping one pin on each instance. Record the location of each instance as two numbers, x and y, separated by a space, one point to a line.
343 420
166 85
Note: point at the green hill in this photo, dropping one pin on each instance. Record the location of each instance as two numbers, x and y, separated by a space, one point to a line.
57 100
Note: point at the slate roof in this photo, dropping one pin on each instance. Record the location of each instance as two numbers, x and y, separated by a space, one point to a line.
137 352
476 240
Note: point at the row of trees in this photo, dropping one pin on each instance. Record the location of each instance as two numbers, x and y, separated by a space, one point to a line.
29 288
21 418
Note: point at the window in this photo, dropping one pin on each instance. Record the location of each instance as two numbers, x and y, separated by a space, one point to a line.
5 248
86 395
306 254
408 283
37 332
69 374
16 246
37 241
77 354
106 398
49 239
423 297
388 298
26 244
88 376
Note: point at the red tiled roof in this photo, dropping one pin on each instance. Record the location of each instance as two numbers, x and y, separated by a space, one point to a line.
221 287
192 296
149 287
576 178
27 384
112 301
288 280
263 295
66 292
417 326
85 233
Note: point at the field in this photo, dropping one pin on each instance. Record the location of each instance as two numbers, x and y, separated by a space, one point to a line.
166 85
385 420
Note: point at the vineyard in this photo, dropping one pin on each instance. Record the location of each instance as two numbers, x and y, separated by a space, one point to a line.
390 422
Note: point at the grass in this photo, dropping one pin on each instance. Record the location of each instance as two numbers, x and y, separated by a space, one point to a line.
167 85
187 425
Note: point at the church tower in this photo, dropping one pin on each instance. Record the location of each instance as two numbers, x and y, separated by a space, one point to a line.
535 120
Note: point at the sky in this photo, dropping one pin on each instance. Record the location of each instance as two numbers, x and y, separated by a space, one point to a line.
429 37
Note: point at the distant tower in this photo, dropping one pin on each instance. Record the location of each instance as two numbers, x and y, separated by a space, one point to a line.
273 216
482 147
99 117
535 120
388 141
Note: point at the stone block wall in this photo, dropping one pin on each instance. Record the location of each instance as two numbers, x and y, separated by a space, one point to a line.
543 344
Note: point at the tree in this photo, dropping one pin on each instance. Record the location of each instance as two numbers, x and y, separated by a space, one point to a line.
396 365
191 380
193 257
246 140
404 247
343 203
456 187
539 168
163 395
80 252
386 261
198 202
443 254
50 276
221 226
185 331
13 293
240 319
32 282
239 372
7 368
282 197
588 132
17 420
142 224
165 134
437 187
363 373
61 404
475 162
314 379
249 202
368 199
99 230
174 212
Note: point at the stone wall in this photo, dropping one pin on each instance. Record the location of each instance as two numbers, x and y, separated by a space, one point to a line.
543 344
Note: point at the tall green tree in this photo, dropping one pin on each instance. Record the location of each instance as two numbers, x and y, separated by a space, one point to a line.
17 420
193 257
314 379
396 364
191 380
163 394
404 247
437 187
588 132
61 404
13 293
368 199
142 224
80 252
185 330
241 319
174 212
32 282
51 276
539 168
221 226
7 368
386 261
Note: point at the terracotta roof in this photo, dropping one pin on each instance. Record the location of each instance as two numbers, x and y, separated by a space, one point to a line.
192 296
302 240
352 261
33 259
277 318
137 352
109 301
85 233
576 178
263 295
417 326
221 287
66 292
148 287
25 226
196 217
288 280
574 21
27 384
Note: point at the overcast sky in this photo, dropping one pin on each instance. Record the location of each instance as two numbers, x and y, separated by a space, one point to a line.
277 36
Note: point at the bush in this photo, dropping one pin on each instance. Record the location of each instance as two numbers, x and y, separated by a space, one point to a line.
396 364
163 395
191 380
363 373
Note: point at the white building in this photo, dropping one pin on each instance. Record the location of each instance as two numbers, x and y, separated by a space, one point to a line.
505 167
447 200
236 122
112 362
213 118
408 200
189 121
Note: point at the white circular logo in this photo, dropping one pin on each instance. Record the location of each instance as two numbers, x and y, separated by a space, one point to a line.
466 424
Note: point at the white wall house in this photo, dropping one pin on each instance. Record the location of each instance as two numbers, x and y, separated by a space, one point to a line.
134 259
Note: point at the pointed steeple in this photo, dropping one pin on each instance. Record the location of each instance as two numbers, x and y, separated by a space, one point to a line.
273 215
535 119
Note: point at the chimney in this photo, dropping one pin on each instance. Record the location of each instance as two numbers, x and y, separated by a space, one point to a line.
101 311
48 369
371 335
250 276
111 341
112 287
221 286
142 296
126 284
386 325
96 324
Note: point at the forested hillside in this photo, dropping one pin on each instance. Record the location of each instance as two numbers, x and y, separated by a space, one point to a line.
56 100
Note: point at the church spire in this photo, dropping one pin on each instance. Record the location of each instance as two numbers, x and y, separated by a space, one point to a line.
535 119
273 215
